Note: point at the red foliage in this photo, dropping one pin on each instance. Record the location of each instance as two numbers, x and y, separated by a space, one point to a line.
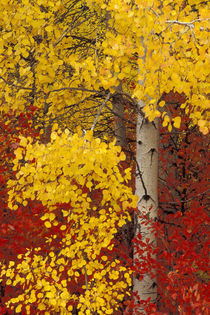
183 243
19 230
182 230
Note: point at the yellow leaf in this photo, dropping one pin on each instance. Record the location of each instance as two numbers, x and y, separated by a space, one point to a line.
18 309
44 217
41 306
169 127
49 295
53 135
201 123
9 282
49 28
104 258
65 213
162 103
23 142
52 216
47 224
177 122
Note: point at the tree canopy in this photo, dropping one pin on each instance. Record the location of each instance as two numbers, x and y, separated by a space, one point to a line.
63 56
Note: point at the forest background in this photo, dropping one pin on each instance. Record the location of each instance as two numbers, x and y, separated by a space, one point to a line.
101 102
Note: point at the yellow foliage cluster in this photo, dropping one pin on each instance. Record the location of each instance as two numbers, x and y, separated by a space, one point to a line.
57 54
57 173
36 66
171 42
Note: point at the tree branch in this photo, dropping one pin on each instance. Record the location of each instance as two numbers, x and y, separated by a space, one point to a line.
100 110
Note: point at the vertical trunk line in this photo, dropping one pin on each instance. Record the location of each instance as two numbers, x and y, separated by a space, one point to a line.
119 128
147 138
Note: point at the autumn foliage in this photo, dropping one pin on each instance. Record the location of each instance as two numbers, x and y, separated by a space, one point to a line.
182 230
67 192
89 204
184 239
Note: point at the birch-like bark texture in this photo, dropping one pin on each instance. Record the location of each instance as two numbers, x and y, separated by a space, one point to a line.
147 190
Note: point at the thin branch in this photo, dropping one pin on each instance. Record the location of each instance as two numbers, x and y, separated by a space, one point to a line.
62 36
73 89
133 102
116 114
67 30
16 86
96 49
100 110
189 24
86 278
184 201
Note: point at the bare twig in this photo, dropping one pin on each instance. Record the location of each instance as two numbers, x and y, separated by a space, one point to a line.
67 30
73 89
100 110
86 279
189 24
116 114
184 201
132 101
16 86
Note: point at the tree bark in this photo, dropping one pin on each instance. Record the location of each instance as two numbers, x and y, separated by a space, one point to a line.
147 190
119 128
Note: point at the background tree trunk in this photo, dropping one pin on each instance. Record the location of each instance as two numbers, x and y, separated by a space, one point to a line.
119 128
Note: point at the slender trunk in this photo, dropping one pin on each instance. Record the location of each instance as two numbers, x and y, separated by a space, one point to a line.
146 189
119 128
120 134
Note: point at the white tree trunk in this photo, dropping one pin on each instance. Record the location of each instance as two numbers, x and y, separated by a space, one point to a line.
147 190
